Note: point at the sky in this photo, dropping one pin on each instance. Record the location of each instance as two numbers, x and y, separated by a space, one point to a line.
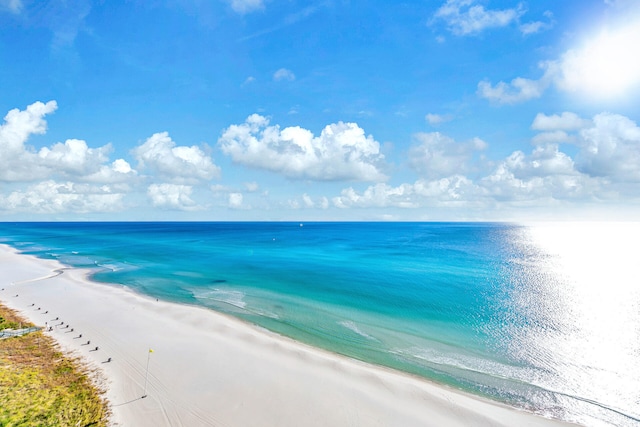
287 110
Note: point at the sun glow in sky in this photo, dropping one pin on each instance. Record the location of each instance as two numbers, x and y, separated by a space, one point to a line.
605 66
328 110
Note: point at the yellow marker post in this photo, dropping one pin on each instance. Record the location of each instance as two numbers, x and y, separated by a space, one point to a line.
146 375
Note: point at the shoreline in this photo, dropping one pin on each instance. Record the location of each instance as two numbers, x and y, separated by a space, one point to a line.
208 368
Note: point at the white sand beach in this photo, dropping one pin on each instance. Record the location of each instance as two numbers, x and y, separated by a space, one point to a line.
208 369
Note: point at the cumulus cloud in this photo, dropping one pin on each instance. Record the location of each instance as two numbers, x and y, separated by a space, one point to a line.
605 167
552 137
340 152
119 171
72 159
437 155
19 125
284 74
178 164
235 200
610 148
545 174
518 90
607 161
171 196
436 119
464 17
564 121
449 191
310 202
246 6
378 195
50 197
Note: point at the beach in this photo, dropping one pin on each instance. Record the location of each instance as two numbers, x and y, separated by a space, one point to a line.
201 368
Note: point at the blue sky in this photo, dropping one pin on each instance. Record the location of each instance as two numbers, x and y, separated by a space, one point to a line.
328 110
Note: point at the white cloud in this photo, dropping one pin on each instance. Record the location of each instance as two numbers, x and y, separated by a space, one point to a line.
118 171
464 17
546 174
19 125
436 119
518 90
171 196
607 163
248 81
451 191
532 27
552 137
606 167
309 202
604 66
13 6
448 191
543 161
74 157
219 188
178 164
284 74
437 155
49 197
565 121
537 26
235 200
378 195
611 148
252 187
341 152
246 6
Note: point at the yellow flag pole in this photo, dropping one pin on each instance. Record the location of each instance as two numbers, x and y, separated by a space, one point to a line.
146 375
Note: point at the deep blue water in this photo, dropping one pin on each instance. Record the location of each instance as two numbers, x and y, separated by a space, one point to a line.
474 306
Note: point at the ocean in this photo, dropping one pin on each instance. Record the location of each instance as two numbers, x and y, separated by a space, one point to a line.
540 317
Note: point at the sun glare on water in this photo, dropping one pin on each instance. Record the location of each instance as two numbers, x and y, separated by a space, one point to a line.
592 344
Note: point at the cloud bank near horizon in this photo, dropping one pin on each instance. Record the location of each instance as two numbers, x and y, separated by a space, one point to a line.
73 177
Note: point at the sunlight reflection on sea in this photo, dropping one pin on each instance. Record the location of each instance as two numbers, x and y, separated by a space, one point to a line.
583 317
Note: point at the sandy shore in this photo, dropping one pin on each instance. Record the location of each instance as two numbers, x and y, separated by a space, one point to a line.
207 369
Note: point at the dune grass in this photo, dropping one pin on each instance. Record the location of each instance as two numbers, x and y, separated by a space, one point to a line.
40 386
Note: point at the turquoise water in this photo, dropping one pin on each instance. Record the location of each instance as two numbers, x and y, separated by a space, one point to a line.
479 306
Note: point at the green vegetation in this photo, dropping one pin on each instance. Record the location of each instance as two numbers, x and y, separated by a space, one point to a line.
40 387
8 324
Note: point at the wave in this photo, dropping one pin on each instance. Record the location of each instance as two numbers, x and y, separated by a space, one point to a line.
115 266
468 363
349 324
231 297
524 381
